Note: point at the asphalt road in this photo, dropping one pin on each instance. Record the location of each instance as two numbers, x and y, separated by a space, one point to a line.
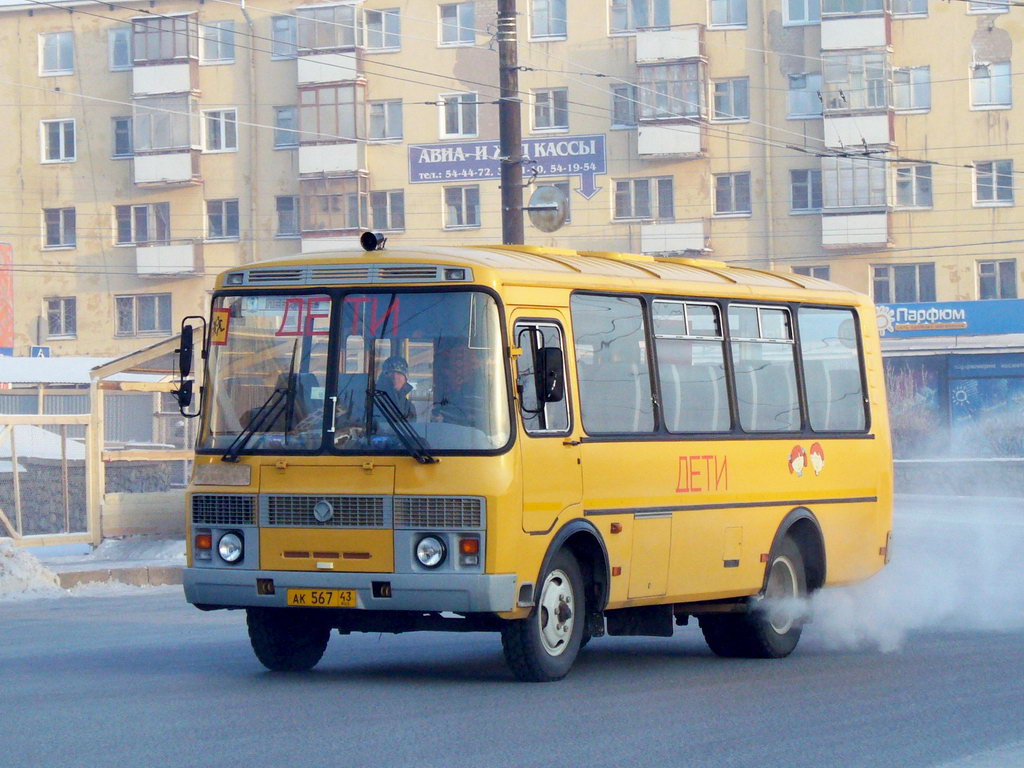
146 680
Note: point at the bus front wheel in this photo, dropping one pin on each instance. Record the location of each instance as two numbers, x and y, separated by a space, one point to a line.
772 626
287 640
542 647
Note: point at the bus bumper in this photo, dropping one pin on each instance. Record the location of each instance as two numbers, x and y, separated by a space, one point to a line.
459 593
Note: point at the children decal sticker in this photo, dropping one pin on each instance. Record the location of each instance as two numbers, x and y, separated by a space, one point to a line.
797 460
817 458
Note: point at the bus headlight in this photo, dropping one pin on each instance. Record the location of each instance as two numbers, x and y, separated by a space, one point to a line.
430 551
230 547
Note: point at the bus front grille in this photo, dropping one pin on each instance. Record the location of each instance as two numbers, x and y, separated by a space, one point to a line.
300 511
438 512
223 509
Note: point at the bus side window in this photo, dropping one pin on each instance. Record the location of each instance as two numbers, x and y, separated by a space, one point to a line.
539 418
832 372
764 365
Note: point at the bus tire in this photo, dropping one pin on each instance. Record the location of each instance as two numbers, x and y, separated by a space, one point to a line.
286 640
542 647
766 631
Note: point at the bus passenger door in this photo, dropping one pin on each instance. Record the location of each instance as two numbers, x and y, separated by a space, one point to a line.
550 460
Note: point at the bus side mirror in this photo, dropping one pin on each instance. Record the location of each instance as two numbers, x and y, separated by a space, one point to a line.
185 389
550 375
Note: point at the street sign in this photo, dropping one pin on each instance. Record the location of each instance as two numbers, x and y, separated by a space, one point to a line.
39 352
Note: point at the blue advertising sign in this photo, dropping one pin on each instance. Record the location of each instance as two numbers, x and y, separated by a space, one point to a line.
980 366
6 351
950 318
582 156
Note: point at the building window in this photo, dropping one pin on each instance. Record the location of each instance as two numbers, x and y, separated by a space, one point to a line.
909 7
222 219
670 91
851 7
551 109
458 23
912 88
218 42
993 183
458 115
388 210
855 81
58 139
162 122
283 37
386 119
384 30
728 13
804 96
997 279
990 85
328 27
732 194
221 127
801 12
645 199
805 190
60 318
145 314
121 132
732 100
57 53
60 227
143 224
849 182
903 283
461 207
119 43
286 133
334 205
330 114
624 101
627 16
821 271
547 18
287 216
989 6
164 38
914 186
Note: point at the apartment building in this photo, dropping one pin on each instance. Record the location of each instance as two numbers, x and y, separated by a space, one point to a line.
150 145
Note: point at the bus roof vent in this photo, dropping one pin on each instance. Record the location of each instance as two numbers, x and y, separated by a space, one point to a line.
402 272
276 276
348 273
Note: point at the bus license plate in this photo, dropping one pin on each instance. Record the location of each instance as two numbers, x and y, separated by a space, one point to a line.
322 598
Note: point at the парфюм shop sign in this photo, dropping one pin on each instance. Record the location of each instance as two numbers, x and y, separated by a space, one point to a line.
951 318
454 162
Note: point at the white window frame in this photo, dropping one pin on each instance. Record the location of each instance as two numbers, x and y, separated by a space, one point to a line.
557 27
916 180
217 37
852 7
464 207
295 214
662 86
113 46
733 8
462 100
991 83
887 273
151 212
67 229
997 277
341 31
818 271
809 94
226 121
625 93
392 117
988 6
734 180
909 88
547 112
64 156
654 189
464 35
992 171
872 93
162 301
62 38
730 93
628 8
811 176
59 306
291 134
220 209
160 122
389 196
390 20
284 38
114 155
853 183
811 13
910 14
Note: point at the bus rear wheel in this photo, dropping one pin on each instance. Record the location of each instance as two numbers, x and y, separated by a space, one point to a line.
286 640
542 647
771 628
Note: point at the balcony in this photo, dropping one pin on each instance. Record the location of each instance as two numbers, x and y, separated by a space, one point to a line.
857 130
317 68
675 237
155 79
853 230
170 167
332 159
183 258
860 31
654 45
674 139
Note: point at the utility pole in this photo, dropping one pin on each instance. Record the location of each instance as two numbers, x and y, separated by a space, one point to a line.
510 126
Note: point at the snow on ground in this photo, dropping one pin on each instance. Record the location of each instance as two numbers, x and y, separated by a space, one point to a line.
23 576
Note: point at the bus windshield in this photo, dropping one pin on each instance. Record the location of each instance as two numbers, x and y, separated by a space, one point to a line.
356 373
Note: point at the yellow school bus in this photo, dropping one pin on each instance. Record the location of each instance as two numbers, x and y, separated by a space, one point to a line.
549 444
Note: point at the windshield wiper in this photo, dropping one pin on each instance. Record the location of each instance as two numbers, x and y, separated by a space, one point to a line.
265 415
403 429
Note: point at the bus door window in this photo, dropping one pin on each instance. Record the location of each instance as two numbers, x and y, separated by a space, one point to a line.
832 371
538 340
764 364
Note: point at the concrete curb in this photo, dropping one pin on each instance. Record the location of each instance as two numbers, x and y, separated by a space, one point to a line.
135 575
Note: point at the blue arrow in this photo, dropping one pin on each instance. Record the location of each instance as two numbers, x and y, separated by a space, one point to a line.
588 185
